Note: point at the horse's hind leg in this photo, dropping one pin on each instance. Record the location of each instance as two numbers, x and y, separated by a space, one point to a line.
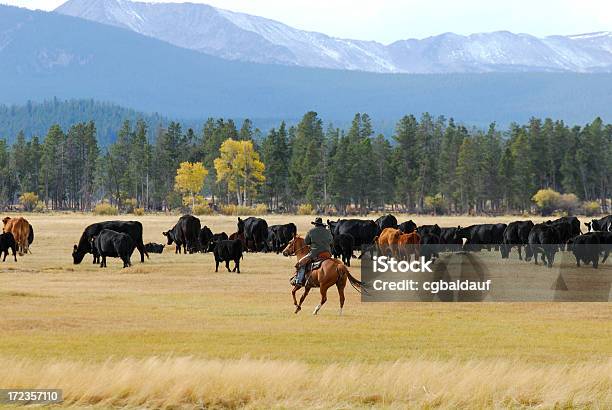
341 286
323 299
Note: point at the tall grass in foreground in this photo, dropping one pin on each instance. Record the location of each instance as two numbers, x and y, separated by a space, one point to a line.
187 382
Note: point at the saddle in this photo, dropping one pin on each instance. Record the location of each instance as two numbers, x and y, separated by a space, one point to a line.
316 263
312 265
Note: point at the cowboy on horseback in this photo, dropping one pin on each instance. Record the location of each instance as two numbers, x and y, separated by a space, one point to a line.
319 239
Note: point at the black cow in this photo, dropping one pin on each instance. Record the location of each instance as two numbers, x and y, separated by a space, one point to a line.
407 227
477 237
7 241
429 229
386 221
204 238
255 232
430 244
515 234
567 226
115 245
603 224
605 243
216 238
281 236
342 246
447 237
185 234
362 231
586 249
543 239
226 251
481 236
271 240
131 228
152 247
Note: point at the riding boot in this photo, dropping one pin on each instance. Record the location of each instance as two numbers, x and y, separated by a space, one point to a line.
301 275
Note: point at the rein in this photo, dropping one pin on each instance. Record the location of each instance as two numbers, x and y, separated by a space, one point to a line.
295 251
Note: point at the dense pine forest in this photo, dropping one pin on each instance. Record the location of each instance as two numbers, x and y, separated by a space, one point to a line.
428 165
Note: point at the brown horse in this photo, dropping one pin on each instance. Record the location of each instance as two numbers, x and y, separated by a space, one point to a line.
331 272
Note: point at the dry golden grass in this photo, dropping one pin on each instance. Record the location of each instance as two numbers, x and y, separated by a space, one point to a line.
186 381
171 332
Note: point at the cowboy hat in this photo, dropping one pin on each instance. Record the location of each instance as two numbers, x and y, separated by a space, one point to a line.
318 222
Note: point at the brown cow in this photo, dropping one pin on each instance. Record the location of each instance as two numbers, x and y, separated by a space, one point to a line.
20 228
388 241
409 244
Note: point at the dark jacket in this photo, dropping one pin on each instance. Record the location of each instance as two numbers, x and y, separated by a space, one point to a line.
319 239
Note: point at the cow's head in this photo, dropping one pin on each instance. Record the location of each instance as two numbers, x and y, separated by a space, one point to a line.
170 236
77 255
6 219
240 225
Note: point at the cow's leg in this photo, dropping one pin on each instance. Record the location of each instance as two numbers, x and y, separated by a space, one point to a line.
216 265
519 252
5 255
227 261
237 265
142 251
299 306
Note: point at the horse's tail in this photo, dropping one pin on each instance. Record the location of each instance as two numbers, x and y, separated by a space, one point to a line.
355 283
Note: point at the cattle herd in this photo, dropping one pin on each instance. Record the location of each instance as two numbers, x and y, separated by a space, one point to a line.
119 239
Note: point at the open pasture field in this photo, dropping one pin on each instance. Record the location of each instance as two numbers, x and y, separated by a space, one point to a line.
172 333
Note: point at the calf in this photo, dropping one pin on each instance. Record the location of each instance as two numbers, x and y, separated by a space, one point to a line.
226 251
20 228
7 241
115 245
204 238
154 247
342 246
216 238
409 244
586 249
388 242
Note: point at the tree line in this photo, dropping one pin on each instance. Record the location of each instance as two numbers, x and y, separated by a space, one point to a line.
429 164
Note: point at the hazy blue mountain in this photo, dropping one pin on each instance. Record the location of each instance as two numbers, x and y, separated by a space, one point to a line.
46 55
239 36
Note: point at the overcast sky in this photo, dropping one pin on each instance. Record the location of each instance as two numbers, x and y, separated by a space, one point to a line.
390 20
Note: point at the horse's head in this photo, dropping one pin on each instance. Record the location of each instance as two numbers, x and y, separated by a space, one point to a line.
294 246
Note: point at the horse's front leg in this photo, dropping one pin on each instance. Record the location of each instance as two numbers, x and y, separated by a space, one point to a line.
299 306
295 289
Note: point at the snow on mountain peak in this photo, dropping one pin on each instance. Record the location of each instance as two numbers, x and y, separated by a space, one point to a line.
240 36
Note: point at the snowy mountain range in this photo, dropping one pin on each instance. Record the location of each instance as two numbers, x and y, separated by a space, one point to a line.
238 36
